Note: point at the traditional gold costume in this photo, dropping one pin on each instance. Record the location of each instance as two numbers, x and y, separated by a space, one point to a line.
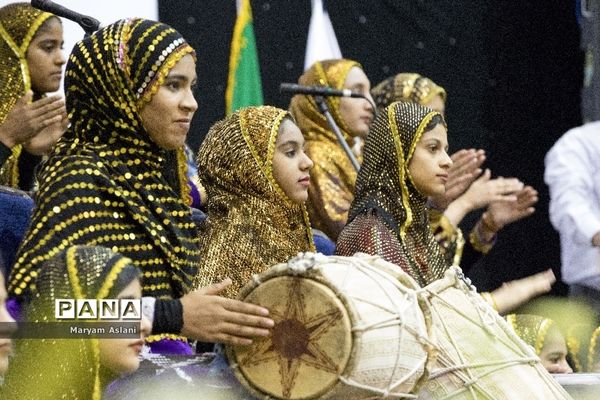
412 87
533 329
333 177
19 22
252 225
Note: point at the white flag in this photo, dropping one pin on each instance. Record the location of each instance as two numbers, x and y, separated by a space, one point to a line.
321 43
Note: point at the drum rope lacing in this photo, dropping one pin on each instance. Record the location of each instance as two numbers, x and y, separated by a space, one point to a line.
397 318
487 318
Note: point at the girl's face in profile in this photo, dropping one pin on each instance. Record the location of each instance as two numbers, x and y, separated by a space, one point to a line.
357 113
120 356
291 165
45 57
554 353
430 162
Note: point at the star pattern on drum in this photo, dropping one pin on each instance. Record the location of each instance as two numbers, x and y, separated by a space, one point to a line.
295 339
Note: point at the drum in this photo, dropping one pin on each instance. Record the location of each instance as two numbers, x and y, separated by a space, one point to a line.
345 327
478 355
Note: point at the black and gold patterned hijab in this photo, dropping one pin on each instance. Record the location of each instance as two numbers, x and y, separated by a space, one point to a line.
406 86
103 184
67 368
384 185
19 22
252 225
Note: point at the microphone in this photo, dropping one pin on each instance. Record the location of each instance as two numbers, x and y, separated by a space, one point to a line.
89 24
317 90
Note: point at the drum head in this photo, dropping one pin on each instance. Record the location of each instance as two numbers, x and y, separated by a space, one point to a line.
310 345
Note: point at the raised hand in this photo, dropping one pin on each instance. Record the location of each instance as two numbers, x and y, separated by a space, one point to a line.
464 170
26 119
502 213
481 193
515 293
212 318
41 144
485 191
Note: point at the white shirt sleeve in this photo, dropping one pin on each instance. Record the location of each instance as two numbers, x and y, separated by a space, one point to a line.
572 176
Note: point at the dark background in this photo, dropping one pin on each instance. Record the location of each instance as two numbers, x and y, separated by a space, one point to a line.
512 70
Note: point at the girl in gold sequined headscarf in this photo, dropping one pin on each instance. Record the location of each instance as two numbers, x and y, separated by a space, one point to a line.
409 86
31 61
583 344
388 215
546 339
333 176
104 182
256 216
60 367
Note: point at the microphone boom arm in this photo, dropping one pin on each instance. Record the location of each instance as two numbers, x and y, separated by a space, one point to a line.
322 104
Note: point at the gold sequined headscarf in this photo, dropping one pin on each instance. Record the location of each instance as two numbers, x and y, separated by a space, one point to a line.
594 352
533 329
67 368
252 225
406 86
19 22
333 177
103 184
384 186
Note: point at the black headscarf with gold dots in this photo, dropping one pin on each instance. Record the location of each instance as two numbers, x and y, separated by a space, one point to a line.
103 183
384 186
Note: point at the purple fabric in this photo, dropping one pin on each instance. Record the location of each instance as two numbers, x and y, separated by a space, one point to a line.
14 309
195 194
166 346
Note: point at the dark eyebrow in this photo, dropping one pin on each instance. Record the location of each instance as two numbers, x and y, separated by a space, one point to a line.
179 77
46 41
291 142
437 142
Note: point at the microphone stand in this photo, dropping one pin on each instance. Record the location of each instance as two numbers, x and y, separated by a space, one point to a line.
322 104
87 23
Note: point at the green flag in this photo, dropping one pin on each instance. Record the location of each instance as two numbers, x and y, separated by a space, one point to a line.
244 87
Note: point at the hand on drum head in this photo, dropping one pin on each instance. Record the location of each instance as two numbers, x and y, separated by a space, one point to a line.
212 318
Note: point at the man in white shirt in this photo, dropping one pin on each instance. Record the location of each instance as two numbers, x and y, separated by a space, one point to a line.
573 175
